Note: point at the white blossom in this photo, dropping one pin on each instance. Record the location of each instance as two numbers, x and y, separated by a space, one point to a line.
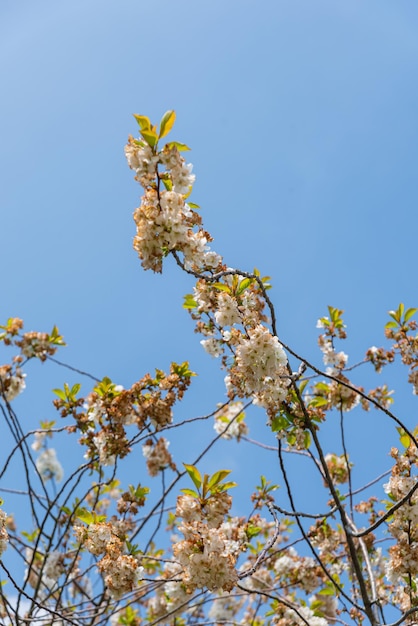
48 465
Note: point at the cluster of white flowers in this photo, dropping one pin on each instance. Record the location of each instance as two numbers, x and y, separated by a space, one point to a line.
403 527
228 312
260 358
413 379
212 346
101 447
231 415
11 384
101 438
35 344
142 160
40 437
121 572
208 552
338 467
205 558
97 537
157 455
180 172
164 220
307 615
52 569
335 360
169 596
4 536
298 570
260 370
48 465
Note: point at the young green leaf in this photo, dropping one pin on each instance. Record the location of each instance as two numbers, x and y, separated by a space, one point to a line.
409 313
194 475
181 147
150 137
217 477
143 121
167 123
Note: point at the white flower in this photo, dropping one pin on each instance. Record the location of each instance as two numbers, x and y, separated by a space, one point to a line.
227 313
39 440
233 415
4 536
48 465
212 346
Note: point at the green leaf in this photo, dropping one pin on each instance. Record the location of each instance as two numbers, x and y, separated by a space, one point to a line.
404 438
75 389
133 548
409 313
85 516
189 302
318 402
60 393
167 123
150 137
168 184
217 477
55 338
181 147
392 325
143 121
192 205
244 284
190 492
226 486
279 423
329 590
252 531
194 475
183 370
302 385
222 287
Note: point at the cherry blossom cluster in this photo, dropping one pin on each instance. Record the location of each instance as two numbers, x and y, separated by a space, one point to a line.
170 597
229 313
333 327
403 562
30 344
49 466
104 416
206 555
338 468
229 421
401 331
4 536
121 572
165 222
157 455
12 382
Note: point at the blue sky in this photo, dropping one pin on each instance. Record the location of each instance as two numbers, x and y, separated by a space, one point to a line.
301 116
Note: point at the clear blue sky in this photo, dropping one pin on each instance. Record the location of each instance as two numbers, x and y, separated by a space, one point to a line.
302 118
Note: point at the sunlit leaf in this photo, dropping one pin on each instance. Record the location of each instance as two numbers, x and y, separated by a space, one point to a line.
167 123
194 475
181 147
143 121
217 477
